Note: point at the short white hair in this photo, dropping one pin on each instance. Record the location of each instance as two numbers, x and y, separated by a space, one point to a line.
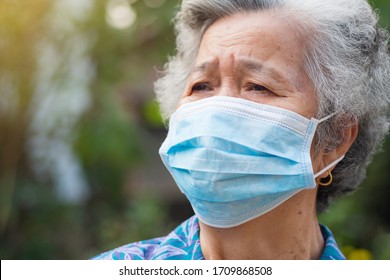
346 58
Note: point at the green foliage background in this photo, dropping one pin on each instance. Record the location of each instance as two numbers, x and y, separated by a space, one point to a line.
114 137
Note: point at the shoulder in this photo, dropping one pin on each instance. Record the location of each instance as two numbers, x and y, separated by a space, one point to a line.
331 250
134 251
181 244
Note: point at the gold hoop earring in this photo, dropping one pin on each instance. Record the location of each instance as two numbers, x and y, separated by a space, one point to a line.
326 184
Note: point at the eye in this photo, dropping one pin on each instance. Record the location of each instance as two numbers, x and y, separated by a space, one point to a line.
201 87
256 87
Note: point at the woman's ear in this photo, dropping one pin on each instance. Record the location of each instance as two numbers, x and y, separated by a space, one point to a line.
349 136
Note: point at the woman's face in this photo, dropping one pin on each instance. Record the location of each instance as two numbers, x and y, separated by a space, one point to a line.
255 57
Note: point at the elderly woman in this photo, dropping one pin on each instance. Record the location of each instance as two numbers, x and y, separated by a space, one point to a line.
276 107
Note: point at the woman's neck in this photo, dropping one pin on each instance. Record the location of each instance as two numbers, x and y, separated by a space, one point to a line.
290 231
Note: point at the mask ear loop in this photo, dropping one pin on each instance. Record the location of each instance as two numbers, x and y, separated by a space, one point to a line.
326 184
329 166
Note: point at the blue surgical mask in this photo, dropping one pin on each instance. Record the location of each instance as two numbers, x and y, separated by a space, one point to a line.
235 159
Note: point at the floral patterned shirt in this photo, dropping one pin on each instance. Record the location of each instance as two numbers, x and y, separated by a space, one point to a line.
183 244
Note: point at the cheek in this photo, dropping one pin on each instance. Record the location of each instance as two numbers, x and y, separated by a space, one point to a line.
305 100
310 107
186 99
316 158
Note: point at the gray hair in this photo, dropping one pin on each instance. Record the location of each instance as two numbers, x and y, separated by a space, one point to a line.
346 59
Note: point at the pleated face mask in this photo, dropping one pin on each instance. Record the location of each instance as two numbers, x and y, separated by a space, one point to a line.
235 159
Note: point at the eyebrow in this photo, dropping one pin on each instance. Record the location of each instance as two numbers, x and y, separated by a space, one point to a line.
204 67
244 64
255 66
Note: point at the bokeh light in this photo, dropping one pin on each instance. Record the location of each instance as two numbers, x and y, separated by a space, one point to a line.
120 14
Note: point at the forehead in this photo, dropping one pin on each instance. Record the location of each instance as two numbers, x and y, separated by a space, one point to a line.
271 40
267 37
